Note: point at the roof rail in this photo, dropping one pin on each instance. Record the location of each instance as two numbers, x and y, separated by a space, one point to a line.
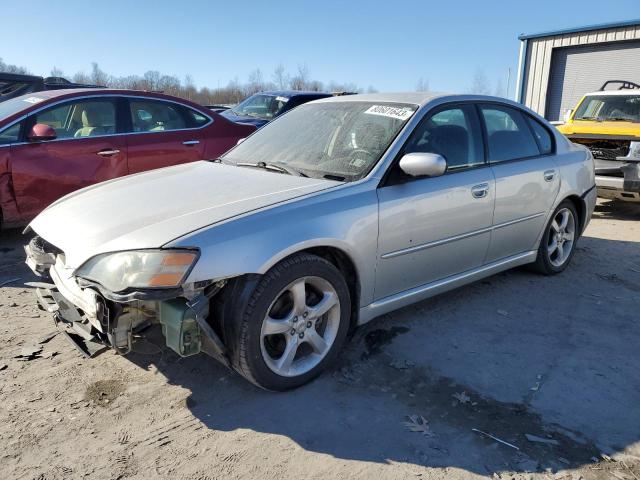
624 85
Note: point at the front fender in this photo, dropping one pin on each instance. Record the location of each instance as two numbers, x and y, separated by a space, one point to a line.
345 219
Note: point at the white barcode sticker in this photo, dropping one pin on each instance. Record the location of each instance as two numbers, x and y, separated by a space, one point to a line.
33 99
401 113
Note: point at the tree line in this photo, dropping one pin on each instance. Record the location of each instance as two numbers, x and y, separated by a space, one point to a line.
235 91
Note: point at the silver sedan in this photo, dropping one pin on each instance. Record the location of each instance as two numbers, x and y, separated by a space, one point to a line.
337 212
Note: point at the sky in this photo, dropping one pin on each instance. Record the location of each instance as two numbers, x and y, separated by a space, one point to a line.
388 45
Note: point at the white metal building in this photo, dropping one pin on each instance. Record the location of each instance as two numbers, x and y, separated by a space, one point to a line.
557 68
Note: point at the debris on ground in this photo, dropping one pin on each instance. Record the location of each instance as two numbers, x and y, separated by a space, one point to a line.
30 352
417 423
402 364
504 313
536 439
48 337
462 397
494 438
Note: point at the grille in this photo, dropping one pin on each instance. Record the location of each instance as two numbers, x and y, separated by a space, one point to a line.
609 153
605 149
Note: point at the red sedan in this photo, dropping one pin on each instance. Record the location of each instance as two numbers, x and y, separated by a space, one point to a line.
55 142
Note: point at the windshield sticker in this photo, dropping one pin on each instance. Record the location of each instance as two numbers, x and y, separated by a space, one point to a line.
392 112
33 99
282 99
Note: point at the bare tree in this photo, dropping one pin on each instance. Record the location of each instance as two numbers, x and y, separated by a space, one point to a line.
8 68
480 85
255 82
56 72
422 85
300 80
280 77
98 77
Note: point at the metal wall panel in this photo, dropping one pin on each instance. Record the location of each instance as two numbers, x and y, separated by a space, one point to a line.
540 53
579 70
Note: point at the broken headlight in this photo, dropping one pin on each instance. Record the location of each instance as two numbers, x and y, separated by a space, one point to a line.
139 269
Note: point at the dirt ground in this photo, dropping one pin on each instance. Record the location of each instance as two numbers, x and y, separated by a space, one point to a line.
556 358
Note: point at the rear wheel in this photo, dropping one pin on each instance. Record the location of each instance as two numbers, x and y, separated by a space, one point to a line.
559 239
294 324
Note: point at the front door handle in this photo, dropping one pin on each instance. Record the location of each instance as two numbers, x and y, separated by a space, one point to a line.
549 175
480 191
108 152
191 142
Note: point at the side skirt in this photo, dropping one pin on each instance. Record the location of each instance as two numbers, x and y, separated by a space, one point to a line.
407 297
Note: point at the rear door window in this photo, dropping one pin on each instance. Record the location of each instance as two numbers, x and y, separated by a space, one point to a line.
508 134
157 116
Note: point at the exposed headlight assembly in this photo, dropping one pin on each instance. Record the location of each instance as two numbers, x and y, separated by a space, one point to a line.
139 269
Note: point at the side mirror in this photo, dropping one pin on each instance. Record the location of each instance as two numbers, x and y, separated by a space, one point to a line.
41 132
567 115
418 164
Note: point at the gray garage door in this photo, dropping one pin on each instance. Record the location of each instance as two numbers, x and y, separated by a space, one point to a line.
578 70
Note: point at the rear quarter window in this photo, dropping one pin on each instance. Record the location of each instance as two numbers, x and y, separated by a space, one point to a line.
542 136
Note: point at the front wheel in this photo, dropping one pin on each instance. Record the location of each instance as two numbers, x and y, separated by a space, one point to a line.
294 324
558 242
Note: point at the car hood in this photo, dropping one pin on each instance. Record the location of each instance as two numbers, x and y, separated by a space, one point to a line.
245 119
150 209
591 128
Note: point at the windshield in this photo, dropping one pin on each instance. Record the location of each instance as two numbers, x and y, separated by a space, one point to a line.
609 108
261 106
17 104
336 140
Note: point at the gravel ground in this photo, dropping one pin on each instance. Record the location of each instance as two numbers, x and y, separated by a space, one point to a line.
554 358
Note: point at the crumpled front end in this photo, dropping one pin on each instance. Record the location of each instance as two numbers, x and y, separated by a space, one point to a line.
95 319
617 163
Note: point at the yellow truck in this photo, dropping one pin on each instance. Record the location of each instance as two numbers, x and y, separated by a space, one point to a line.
608 123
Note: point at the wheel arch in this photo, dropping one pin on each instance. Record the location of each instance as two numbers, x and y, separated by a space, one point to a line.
345 264
581 208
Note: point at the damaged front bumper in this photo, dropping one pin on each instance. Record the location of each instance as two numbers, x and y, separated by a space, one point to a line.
620 179
94 320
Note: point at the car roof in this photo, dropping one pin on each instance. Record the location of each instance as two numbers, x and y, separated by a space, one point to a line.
414 98
294 93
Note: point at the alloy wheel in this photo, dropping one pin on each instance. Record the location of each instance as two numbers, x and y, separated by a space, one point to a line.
300 326
561 237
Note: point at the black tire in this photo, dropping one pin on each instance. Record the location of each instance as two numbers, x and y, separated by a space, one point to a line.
543 263
245 343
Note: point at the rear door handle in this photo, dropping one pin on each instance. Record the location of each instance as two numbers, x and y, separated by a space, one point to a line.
480 191
108 152
191 142
549 175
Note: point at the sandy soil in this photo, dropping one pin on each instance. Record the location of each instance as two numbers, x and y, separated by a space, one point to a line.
516 354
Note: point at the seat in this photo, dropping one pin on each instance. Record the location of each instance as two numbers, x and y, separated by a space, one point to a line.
97 119
452 142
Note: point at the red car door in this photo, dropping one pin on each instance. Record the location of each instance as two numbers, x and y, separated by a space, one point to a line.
163 133
88 149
